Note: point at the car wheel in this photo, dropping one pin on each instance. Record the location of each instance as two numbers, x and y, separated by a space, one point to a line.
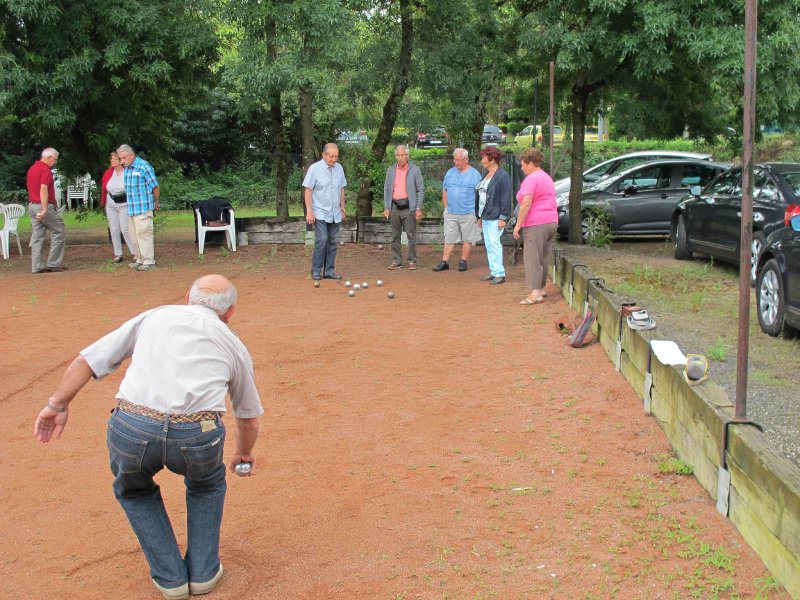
682 251
769 298
756 245
593 227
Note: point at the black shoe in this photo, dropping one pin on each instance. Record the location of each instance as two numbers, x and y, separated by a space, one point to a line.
487 277
442 266
55 269
462 265
332 276
498 280
316 276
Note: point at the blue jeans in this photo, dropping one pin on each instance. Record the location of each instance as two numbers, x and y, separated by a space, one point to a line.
326 240
494 249
138 448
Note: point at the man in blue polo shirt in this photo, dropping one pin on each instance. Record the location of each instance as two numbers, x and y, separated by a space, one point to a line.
143 192
324 197
458 198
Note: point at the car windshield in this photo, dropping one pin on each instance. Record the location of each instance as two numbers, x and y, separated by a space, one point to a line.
491 129
598 172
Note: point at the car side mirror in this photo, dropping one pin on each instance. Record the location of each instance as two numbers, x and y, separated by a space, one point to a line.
695 190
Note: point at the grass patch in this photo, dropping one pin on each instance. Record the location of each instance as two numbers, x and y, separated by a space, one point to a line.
671 465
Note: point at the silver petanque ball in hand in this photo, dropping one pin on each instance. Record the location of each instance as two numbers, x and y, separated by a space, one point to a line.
379 283
365 285
243 469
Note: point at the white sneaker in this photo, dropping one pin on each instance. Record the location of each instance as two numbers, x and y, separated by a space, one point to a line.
198 589
178 593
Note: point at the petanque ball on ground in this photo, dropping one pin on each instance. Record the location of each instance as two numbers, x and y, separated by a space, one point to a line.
351 293
379 283
365 285
356 286
316 284
347 283
391 295
380 246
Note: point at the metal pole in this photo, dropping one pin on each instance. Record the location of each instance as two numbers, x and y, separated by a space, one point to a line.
535 111
746 238
552 94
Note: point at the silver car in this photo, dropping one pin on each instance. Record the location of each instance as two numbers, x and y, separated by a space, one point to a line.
609 167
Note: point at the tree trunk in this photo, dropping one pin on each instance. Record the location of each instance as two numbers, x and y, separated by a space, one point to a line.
281 166
278 134
309 148
580 98
390 109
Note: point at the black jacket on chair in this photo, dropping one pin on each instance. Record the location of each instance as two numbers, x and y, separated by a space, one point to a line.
213 209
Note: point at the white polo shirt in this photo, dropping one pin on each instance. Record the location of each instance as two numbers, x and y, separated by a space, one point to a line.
184 359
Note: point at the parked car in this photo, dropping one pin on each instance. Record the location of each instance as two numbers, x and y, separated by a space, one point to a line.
640 200
493 135
609 167
525 137
708 221
778 278
353 137
592 134
437 138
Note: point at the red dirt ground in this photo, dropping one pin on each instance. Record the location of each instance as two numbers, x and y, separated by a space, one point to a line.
444 444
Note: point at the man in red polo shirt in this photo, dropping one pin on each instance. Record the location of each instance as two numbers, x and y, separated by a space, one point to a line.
44 214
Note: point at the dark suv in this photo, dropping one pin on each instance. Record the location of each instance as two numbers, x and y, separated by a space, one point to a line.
493 135
778 278
709 221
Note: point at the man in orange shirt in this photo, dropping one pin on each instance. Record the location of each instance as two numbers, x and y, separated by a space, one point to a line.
403 194
43 211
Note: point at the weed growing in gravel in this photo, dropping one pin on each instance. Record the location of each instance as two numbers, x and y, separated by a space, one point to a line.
718 351
672 465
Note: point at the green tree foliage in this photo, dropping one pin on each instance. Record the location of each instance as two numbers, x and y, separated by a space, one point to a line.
85 76
668 54
467 49
287 49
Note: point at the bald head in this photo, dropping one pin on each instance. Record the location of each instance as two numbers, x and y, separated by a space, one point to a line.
214 292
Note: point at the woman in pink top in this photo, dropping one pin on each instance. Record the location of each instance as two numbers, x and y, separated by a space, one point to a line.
538 220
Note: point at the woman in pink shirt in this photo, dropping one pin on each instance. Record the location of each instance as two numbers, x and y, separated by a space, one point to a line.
538 220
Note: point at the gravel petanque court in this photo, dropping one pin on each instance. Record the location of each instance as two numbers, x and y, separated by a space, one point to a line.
446 443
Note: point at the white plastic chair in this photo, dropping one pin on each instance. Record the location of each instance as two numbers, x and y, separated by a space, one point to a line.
229 229
11 214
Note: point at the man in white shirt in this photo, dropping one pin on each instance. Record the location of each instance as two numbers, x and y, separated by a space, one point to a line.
184 360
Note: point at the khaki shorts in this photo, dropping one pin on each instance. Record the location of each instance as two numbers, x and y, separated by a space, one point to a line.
461 228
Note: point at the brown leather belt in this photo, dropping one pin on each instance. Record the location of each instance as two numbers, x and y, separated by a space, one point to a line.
138 409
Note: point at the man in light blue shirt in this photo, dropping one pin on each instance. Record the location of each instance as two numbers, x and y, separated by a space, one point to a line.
324 197
458 198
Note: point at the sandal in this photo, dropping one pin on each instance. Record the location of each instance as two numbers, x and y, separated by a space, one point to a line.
395 266
535 300
412 266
